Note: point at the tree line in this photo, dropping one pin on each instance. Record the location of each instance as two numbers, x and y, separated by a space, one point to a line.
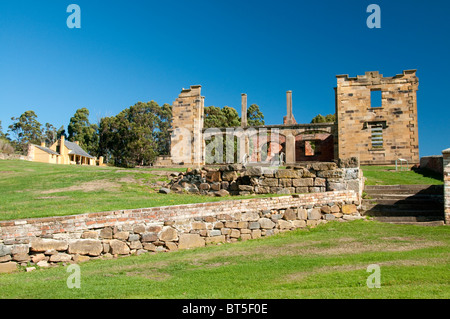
135 136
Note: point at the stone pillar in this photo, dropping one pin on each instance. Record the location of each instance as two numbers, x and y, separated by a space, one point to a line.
243 110
446 162
289 108
290 149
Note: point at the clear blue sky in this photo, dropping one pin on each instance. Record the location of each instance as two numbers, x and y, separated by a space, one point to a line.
130 51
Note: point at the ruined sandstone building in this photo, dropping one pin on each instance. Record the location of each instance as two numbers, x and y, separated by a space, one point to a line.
378 132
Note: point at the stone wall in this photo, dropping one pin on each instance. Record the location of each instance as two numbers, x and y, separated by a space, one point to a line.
45 241
307 177
360 123
186 142
446 157
433 163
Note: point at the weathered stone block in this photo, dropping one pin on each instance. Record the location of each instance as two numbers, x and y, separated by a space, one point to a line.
242 224
349 209
351 173
266 223
168 233
314 214
318 181
106 233
235 233
215 239
298 182
198 225
253 171
323 166
248 188
283 224
332 186
250 216
229 176
254 225
285 182
118 247
89 247
121 235
135 244
42 245
214 232
325 209
149 237
60 257
302 190
222 193
302 213
336 173
213 176
21 257
139 229
5 250
290 214
288 173
190 241
269 182
298 223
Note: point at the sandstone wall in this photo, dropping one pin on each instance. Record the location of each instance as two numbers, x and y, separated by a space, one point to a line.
432 163
45 241
312 177
397 116
446 156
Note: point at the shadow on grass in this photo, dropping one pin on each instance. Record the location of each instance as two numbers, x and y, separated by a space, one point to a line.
428 173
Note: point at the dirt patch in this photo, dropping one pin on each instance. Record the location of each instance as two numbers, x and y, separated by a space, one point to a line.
53 197
149 274
91 186
407 262
129 180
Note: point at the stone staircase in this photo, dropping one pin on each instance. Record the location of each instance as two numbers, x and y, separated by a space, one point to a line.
405 204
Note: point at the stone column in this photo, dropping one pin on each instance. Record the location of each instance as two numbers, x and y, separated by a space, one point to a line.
290 149
243 110
446 162
289 107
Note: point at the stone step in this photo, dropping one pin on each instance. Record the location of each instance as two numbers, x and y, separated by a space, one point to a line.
402 212
403 204
404 189
409 221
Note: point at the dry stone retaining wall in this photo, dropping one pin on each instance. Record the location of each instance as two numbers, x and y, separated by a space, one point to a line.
314 177
44 241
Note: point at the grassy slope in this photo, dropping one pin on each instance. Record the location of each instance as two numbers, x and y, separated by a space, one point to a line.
24 190
386 175
329 261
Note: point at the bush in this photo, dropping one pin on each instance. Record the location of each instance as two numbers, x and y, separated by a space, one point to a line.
5 147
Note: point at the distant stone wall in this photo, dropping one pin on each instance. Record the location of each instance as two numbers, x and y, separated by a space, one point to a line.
446 162
432 163
75 238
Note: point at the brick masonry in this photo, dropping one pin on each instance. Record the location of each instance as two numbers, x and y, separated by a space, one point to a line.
75 238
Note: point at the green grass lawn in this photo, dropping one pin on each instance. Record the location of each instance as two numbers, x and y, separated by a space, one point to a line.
387 175
30 190
329 261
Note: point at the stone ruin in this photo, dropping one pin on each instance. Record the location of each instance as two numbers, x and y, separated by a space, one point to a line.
236 179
